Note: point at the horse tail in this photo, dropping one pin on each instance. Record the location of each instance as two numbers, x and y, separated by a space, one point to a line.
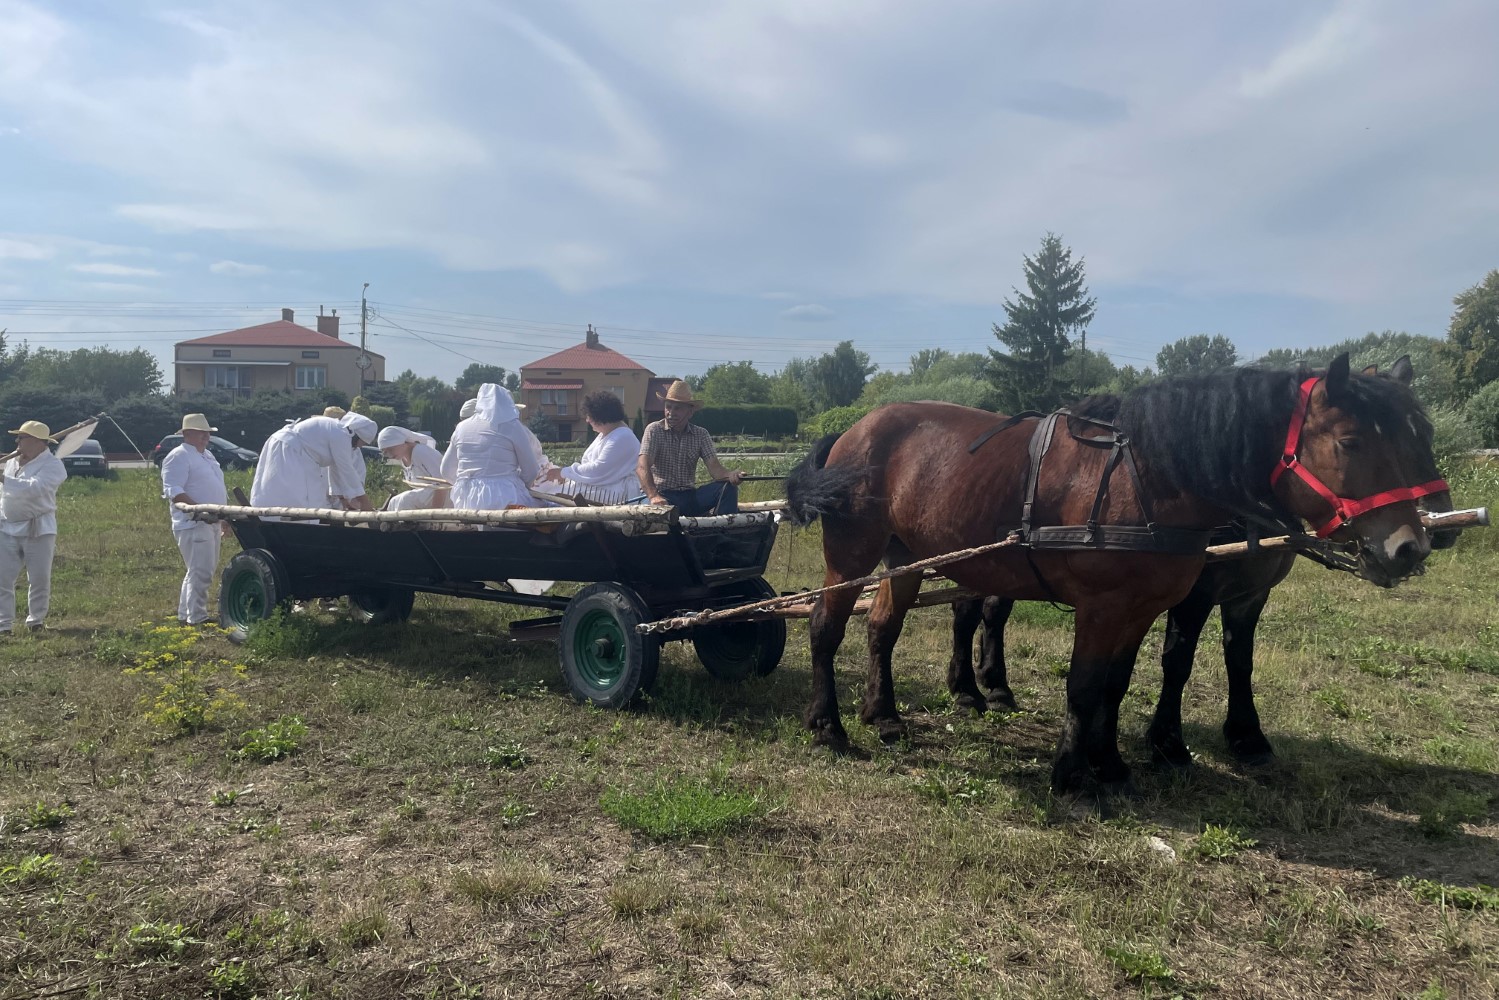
813 489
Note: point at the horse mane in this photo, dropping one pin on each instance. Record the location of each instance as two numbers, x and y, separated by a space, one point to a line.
1218 436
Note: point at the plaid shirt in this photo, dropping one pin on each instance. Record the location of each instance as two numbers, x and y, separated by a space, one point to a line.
674 455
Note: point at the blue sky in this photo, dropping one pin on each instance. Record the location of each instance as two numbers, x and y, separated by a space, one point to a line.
724 181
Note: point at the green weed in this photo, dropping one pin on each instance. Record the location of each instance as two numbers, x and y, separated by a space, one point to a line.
160 941
682 808
1217 843
1139 964
1481 897
274 740
511 756
31 870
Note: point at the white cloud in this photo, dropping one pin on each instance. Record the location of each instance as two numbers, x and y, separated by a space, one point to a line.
21 249
809 313
116 270
234 269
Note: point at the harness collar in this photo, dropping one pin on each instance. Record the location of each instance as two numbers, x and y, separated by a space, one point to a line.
1344 509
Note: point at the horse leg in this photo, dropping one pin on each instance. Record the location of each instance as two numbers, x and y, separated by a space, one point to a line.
1184 625
993 674
1103 657
827 626
1242 727
960 679
886 618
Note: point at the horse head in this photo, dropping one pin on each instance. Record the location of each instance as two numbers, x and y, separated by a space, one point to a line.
1359 456
1423 458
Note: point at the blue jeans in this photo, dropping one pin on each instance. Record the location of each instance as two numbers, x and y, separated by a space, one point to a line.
712 498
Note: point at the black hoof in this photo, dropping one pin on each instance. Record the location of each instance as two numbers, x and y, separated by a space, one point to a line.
972 702
829 734
1261 759
890 730
1002 701
1174 755
1252 751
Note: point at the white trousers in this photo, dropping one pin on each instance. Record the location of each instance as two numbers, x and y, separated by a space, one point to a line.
35 555
199 546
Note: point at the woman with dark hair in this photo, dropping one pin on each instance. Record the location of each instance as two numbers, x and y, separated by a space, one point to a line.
606 472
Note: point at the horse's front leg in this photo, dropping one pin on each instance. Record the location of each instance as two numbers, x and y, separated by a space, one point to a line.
1242 727
827 626
961 683
993 673
1184 625
1103 657
891 602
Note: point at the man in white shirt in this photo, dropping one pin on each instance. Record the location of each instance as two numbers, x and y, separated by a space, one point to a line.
28 524
190 474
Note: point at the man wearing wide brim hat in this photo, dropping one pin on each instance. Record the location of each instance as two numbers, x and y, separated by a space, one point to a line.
28 524
669 453
191 474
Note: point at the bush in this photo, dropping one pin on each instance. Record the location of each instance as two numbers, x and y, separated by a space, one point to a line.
748 418
837 420
1482 413
1454 437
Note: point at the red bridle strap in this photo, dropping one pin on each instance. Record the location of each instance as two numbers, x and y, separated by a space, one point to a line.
1343 509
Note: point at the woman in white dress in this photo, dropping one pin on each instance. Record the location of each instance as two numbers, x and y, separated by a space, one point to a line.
291 471
419 460
606 472
489 461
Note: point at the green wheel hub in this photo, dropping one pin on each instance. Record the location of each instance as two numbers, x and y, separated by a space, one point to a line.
246 601
599 648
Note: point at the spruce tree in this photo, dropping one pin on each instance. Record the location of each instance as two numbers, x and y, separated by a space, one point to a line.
1038 329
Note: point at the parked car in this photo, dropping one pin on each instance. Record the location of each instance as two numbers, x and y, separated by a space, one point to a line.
229 454
87 460
371 454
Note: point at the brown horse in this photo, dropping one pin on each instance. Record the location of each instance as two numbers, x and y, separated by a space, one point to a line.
1239 588
902 485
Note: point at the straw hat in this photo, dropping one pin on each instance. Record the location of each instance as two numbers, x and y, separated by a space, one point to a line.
195 422
680 392
34 428
334 411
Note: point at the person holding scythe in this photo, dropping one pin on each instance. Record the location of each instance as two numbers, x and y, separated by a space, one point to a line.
190 474
28 524
669 453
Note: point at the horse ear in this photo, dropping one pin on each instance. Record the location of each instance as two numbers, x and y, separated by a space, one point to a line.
1403 371
1337 377
1371 370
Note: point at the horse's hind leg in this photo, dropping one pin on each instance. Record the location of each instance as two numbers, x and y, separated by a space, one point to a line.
1242 727
1103 657
1183 628
893 600
961 683
993 674
826 629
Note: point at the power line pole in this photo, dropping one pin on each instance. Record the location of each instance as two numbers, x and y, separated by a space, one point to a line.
364 360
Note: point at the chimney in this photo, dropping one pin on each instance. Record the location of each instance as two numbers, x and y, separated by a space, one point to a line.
286 316
327 325
592 340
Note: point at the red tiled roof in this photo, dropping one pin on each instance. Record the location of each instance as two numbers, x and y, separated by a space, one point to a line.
584 356
278 334
532 383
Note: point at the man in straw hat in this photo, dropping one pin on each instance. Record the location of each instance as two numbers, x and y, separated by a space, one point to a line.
191 474
28 524
669 454
292 463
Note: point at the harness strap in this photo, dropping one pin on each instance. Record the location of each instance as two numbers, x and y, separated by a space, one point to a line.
1040 444
1003 425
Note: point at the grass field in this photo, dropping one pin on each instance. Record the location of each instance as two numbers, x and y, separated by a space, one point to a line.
421 810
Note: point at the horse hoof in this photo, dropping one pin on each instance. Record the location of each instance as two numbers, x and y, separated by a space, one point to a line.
971 702
1174 755
1122 788
1002 701
891 732
1252 751
829 735
1262 758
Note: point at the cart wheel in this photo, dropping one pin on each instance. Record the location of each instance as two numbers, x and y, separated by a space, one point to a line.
381 605
737 650
252 585
604 660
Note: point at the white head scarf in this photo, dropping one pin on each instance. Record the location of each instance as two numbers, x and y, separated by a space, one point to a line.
496 407
467 409
393 435
361 426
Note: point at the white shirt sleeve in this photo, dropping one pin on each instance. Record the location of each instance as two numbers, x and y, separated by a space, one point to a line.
174 471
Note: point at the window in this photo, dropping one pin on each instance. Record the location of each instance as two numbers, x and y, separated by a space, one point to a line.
226 377
554 373
564 432
221 352
611 373
618 390
310 354
311 376
562 395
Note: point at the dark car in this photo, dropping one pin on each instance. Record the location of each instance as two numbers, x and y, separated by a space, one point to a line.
86 460
371 455
230 455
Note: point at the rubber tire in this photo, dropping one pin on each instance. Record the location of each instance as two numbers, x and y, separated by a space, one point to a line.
605 662
382 605
251 587
736 651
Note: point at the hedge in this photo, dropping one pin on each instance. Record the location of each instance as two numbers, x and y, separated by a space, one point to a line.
757 418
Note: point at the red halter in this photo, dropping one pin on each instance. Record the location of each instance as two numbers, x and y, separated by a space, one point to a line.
1343 510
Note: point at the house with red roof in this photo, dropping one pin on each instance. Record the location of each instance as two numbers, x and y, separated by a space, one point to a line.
275 356
556 384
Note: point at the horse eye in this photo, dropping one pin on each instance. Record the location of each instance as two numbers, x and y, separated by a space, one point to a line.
1349 444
